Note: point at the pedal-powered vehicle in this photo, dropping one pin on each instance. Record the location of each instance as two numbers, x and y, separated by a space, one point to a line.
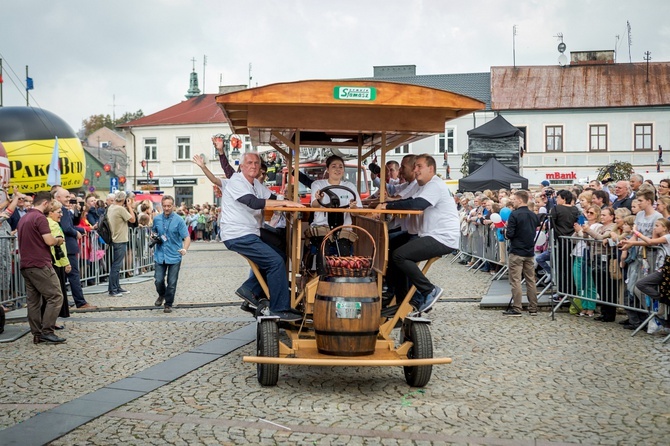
343 321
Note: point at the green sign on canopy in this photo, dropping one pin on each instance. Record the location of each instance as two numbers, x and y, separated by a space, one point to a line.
355 93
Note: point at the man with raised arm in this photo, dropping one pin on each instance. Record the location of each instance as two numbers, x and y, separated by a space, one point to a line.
242 204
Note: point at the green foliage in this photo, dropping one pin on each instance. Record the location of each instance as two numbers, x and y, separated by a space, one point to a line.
96 122
616 171
465 168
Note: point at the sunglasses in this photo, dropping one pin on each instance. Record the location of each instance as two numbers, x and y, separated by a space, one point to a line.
591 213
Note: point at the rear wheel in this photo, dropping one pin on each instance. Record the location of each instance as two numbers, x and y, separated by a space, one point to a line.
419 335
267 344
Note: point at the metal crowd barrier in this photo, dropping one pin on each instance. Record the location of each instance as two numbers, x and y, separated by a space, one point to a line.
482 246
587 259
94 263
583 272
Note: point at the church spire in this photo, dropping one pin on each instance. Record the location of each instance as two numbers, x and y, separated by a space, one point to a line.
193 89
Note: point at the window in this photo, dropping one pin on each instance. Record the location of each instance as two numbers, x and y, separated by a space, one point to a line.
401 150
150 149
247 143
597 137
553 137
643 136
183 148
445 141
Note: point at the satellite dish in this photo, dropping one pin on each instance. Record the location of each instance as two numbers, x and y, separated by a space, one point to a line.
562 60
561 47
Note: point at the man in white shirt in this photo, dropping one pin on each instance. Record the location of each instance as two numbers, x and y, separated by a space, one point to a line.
438 232
242 204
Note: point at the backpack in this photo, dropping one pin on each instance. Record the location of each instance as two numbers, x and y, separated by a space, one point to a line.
104 230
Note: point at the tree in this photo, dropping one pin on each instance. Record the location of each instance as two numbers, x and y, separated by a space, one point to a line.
127 117
96 122
616 171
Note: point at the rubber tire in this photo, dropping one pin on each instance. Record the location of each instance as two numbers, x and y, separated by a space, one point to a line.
2 319
419 335
267 344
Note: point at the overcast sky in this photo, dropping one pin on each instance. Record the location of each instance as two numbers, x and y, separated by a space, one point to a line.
82 53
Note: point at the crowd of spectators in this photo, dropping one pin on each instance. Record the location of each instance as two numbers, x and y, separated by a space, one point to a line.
615 220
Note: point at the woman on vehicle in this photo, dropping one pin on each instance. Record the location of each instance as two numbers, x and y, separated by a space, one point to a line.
324 221
335 171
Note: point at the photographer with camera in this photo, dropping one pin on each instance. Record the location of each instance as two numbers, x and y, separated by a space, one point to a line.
170 240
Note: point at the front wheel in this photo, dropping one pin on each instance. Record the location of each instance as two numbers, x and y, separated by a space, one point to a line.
267 344
419 335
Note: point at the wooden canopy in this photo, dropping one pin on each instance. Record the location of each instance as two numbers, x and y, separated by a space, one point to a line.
342 113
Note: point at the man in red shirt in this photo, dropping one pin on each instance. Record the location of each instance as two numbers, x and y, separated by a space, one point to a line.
42 283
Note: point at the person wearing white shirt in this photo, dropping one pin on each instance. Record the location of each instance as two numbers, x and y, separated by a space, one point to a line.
242 204
438 232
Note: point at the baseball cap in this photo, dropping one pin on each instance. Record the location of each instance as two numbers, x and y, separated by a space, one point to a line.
545 183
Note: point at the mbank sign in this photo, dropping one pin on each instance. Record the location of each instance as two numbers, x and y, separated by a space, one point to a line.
355 93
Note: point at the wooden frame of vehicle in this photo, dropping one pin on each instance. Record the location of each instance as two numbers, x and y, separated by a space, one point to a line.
362 116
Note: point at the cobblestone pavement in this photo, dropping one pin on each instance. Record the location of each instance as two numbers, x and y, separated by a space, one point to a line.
512 381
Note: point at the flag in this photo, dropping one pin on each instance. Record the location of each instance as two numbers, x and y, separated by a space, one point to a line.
53 179
29 83
1 81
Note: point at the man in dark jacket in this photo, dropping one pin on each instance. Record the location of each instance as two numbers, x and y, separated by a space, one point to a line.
72 236
521 228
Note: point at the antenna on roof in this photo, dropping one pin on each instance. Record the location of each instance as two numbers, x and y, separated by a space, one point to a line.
514 45
630 42
647 57
562 58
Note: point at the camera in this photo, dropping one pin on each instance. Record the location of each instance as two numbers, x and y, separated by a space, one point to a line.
155 239
549 192
58 252
73 201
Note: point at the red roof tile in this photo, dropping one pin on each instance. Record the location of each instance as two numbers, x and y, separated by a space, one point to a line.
580 86
201 109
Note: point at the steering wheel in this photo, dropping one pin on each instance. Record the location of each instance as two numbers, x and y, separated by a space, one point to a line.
334 199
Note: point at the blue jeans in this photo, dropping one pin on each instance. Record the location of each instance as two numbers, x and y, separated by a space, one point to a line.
272 266
172 272
118 254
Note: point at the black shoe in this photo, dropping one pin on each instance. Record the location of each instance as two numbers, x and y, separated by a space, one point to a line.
287 316
167 309
248 308
512 312
624 322
159 301
59 327
247 295
52 339
600 318
630 327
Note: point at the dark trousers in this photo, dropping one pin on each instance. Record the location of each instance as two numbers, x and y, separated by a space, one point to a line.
75 281
608 290
406 257
166 290
42 284
118 254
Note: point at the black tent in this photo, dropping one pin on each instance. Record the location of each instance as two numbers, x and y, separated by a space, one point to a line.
496 139
498 127
492 175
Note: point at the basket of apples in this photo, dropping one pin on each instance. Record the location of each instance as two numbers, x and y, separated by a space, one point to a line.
348 265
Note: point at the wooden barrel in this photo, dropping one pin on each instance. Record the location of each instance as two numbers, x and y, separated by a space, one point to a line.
346 315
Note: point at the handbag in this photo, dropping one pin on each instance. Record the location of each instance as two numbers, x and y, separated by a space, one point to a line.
615 270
